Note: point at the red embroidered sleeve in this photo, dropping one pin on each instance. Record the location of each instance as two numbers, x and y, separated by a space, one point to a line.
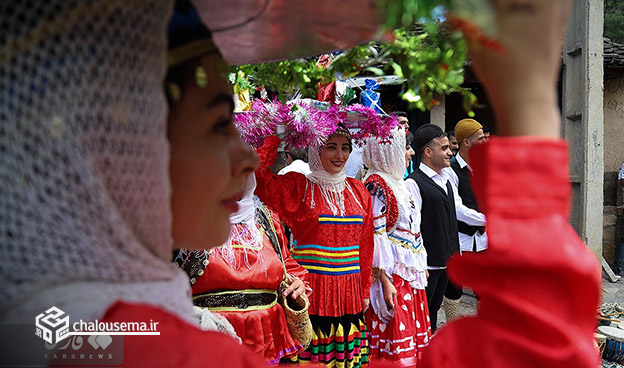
271 188
292 267
377 183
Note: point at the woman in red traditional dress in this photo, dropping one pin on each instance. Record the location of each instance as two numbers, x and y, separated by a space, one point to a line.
239 280
398 320
330 218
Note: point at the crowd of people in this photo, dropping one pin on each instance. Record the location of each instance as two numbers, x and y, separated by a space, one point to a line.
95 200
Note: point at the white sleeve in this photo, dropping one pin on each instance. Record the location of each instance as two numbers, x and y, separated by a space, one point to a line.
621 173
465 214
383 256
413 188
453 177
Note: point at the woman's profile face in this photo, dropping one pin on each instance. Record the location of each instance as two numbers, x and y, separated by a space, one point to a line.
409 153
335 153
209 161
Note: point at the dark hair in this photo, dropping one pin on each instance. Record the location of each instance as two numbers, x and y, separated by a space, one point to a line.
402 114
408 139
343 132
185 27
429 144
298 154
450 133
486 129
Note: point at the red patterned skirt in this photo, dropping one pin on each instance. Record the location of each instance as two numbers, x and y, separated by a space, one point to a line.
403 340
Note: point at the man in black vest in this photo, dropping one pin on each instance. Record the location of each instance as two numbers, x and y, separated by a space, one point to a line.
472 236
434 196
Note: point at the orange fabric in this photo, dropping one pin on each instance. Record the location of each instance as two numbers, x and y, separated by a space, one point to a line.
538 283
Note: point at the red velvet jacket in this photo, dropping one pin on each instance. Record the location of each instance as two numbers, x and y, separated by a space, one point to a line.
336 250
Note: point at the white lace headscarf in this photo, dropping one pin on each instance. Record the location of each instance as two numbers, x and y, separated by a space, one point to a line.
85 216
248 235
388 161
332 186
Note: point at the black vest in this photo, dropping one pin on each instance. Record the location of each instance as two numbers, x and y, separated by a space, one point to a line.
439 221
465 193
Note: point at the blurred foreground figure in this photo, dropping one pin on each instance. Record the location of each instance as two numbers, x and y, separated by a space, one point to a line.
538 283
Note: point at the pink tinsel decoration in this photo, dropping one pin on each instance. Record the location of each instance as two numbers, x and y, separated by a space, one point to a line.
306 124
372 124
259 123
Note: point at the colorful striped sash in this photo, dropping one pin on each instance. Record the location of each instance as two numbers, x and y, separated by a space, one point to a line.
340 220
324 260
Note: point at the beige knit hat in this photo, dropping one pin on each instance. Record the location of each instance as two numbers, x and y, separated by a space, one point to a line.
465 128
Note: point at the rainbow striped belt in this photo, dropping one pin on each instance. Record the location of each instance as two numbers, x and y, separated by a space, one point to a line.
324 260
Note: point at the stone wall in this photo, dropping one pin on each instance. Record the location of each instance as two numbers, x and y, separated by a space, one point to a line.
613 123
611 231
613 158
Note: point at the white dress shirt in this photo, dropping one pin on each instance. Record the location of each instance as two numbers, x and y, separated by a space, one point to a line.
463 213
466 241
296 166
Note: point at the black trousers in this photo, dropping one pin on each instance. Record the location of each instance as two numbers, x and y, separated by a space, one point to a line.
453 291
436 287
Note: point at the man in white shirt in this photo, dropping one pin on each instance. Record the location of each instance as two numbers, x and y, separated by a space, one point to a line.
469 133
298 158
440 207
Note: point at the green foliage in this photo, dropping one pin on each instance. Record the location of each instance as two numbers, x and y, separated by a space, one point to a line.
431 60
614 27
611 6
432 63
405 13
614 20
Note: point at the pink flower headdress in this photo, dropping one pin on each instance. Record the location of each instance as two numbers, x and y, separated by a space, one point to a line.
307 122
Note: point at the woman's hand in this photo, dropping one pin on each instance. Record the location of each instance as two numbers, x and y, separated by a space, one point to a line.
366 304
521 80
295 289
390 292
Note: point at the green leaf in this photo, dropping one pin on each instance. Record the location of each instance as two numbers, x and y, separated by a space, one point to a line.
375 70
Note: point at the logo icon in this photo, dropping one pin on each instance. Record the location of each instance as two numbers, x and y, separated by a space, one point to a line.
99 341
52 325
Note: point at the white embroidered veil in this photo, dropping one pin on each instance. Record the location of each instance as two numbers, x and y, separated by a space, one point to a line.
85 218
388 161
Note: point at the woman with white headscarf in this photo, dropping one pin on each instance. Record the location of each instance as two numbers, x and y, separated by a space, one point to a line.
399 321
240 279
97 184
330 218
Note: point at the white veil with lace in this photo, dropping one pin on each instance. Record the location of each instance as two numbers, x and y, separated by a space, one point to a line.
85 217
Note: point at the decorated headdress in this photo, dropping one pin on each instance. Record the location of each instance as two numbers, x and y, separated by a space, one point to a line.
387 159
309 123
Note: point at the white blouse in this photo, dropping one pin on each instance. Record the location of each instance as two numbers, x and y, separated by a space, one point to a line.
400 252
